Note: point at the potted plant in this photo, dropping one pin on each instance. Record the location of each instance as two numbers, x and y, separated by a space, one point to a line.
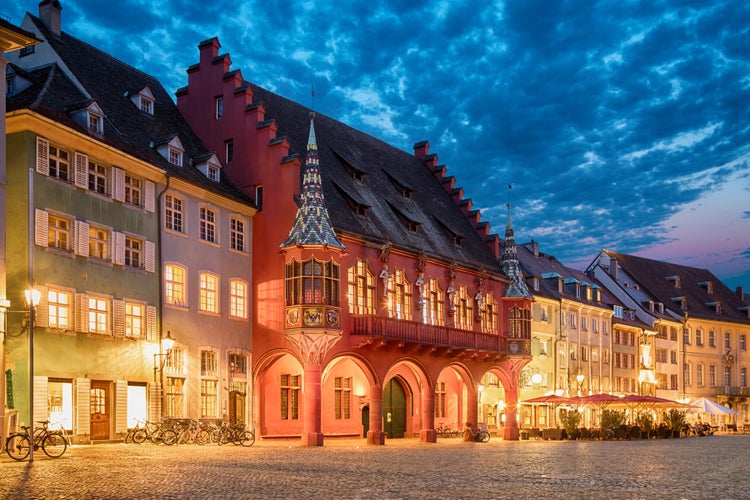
570 420
675 419
611 423
645 421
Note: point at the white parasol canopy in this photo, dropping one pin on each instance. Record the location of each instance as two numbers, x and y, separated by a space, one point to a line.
711 407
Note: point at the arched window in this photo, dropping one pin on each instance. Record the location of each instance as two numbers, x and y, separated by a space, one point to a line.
312 282
464 308
519 323
361 289
432 312
399 295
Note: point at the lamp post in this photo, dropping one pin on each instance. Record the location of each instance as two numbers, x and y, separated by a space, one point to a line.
4 306
160 359
32 300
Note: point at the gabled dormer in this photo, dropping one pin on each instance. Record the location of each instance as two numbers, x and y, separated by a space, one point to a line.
715 305
555 279
412 224
358 207
708 286
170 148
89 115
357 174
405 190
143 99
15 82
209 165
676 281
682 300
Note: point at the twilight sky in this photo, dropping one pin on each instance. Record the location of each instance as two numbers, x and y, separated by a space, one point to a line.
620 124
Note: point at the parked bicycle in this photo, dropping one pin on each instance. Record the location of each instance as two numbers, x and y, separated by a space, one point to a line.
52 443
156 433
235 433
445 431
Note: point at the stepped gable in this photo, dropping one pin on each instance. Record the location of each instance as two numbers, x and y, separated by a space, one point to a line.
399 194
657 278
109 82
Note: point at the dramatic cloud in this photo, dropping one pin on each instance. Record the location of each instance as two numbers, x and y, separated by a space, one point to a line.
620 125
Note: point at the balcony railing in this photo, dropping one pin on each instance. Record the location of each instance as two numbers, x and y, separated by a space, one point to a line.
728 390
438 336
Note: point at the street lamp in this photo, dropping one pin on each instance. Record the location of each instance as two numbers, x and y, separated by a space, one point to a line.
160 359
33 296
580 378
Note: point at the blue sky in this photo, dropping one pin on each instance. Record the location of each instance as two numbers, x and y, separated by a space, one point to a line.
620 124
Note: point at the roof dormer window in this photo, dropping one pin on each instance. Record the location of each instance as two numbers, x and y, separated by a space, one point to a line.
708 285
96 123
209 166
147 105
675 280
170 148
143 99
175 157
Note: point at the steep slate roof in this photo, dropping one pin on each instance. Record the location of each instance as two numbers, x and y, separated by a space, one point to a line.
385 171
108 82
651 276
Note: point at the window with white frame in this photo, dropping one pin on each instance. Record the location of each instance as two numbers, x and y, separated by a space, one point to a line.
133 187
59 230
573 320
213 173
99 243
175 285
96 123
59 309
237 365
743 377
135 320
133 252
711 338
440 394
147 105
209 398
59 163
728 376
238 299
98 179
209 295
175 157
99 312
712 375
743 342
584 323
699 375
207 225
237 234
173 213
175 396
209 363
727 341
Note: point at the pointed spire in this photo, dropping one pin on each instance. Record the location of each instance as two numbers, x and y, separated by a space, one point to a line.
312 226
511 267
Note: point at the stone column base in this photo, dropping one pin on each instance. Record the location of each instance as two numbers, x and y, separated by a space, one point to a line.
312 439
428 436
375 437
511 433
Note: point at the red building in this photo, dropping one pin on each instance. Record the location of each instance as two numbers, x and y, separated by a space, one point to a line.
382 304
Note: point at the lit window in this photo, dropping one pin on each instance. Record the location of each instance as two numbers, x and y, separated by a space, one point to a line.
237 235
97 178
98 315
173 214
59 163
290 390
98 243
175 396
58 229
399 295
59 309
361 289
342 398
207 229
238 299
440 400
237 364
209 398
463 308
519 323
135 320
312 282
209 299
132 190
432 307
208 364
175 285
133 252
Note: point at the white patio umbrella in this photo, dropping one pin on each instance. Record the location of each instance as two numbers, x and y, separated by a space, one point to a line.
711 407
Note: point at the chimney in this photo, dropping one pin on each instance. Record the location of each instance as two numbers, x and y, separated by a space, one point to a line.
535 247
613 268
740 294
49 13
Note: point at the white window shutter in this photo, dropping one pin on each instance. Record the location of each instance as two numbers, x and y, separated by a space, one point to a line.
81 178
150 256
149 201
151 323
83 406
118 254
82 312
118 318
41 315
121 407
82 238
41 405
118 193
42 156
154 401
41 227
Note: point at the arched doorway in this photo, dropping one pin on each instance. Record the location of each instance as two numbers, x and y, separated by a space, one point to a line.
394 409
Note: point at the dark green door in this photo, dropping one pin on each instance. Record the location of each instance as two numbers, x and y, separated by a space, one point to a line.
394 409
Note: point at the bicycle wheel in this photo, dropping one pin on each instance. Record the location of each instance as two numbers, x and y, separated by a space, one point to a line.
17 446
139 436
169 437
202 437
484 436
247 438
54 445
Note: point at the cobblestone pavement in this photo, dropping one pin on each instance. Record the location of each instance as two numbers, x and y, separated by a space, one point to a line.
705 467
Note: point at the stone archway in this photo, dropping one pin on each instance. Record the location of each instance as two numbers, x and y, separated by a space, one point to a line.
394 408
278 381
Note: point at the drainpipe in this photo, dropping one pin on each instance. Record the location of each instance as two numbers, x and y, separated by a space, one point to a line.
160 274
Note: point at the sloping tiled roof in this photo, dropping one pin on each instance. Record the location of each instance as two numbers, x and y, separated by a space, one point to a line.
384 171
652 278
127 128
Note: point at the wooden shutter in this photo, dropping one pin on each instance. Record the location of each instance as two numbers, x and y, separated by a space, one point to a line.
82 312
121 407
81 177
41 227
149 196
150 249
41 314
83 406
82 238
118 250
119 184
151 323
42 156
41 408
118 317
154 398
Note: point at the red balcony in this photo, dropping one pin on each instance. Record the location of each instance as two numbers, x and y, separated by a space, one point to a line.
450 340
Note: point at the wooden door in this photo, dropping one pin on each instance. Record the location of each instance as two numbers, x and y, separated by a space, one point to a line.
394 409
237 407
99 409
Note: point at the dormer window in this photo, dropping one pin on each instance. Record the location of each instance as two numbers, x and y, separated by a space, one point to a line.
143 99
175 157
675 280
10 86
209 166
708 285
96 123
213 173
651 305
89 115
661 308
170 148
716 306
